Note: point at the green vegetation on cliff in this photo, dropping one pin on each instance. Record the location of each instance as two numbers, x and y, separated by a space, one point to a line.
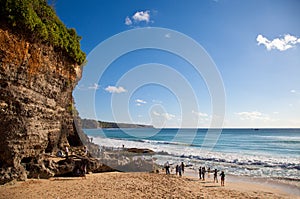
39 22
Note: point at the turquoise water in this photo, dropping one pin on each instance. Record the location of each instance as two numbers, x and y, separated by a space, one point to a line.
250 152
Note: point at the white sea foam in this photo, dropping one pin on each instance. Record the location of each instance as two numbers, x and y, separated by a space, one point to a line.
254 164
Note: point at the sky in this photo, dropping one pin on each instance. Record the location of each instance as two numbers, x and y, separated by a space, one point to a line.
188 63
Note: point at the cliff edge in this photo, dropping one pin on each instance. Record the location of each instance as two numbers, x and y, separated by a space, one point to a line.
37 77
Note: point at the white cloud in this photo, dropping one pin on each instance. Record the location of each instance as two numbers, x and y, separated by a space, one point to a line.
141 16
114 89
168 35
140 101
254 115
156 113
295 91
168 116
94 87
282 44
200 114
128 21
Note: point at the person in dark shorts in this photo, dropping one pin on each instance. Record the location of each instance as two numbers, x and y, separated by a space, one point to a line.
216 176
200 173
203 173
179 170
222 178
167 167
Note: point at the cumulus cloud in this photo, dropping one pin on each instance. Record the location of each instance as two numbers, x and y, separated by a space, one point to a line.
254 115
115 89
282 44
128 21
139 16
94 87
142 16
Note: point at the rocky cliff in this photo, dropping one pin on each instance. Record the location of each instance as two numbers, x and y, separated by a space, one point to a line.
36 105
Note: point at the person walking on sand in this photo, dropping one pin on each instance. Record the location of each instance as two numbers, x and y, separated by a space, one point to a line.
200 173
176 169
222 178
203 173
182 167
216 176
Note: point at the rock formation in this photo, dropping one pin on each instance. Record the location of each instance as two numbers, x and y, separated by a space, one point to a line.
36 105
40 64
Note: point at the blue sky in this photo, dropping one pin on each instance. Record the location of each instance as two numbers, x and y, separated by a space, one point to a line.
255 46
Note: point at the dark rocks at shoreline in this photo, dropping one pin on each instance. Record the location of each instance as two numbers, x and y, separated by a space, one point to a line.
139 151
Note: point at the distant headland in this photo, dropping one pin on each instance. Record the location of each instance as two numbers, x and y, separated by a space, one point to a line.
94 124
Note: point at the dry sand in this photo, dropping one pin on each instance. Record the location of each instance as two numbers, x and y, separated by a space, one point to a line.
135 185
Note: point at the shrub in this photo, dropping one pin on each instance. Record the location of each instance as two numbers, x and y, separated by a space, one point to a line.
38 21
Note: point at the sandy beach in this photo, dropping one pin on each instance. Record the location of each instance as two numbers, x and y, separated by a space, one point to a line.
136 185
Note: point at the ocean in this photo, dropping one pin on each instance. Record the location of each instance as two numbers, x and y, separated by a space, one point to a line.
258 153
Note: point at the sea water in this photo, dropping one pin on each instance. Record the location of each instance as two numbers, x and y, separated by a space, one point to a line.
271 153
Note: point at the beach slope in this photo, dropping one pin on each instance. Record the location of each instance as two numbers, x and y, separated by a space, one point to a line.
134 185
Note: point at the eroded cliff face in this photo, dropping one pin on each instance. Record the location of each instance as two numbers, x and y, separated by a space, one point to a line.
36 104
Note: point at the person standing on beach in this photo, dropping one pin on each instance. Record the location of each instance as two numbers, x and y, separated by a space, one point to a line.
67 152
200 173
222 178
182 167
179 170
216 176
176 169
167 167
83 167
203 173
208 172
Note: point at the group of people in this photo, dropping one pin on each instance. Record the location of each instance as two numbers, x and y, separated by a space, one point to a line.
179 169
202 172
